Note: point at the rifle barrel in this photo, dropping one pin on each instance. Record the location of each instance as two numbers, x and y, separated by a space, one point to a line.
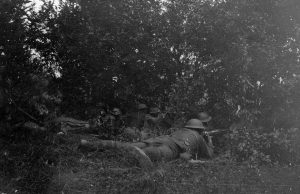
216 131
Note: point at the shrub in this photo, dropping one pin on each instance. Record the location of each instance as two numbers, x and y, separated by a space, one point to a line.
259 147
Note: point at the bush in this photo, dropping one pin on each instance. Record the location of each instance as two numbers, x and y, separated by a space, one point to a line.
28 161
259 147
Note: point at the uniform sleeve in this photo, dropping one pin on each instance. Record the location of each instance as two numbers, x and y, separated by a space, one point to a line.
198 147
204 150
193 143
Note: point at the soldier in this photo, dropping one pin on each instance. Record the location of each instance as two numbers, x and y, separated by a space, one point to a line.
118 122
98 120
218 134
135 130
68 124
103 122
186 143
154 112
142 111
205 119
153 119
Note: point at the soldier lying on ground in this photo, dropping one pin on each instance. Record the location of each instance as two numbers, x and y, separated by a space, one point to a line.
219 138
205 118
118 123
187 143
102 123
153 119
70 124
140 120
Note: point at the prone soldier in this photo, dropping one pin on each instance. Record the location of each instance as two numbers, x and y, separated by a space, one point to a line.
153 119
142 111
205 118
187 143
118 122
217 134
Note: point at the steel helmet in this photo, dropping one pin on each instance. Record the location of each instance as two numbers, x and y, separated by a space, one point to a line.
116 111
154 110
194 124
204 117
142 106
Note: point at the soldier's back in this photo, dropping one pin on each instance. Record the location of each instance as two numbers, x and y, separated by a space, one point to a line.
192 142
186 138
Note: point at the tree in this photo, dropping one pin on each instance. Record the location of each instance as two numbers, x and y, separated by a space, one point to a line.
25 75
240 53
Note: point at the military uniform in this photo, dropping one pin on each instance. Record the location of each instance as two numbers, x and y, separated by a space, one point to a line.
141 114
192 142
161 148
170 147
153 122
185 140
117 123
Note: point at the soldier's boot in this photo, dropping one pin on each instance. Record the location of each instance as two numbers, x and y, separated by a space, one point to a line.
144 161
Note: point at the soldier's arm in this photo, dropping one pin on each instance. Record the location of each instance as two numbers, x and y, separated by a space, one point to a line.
208 138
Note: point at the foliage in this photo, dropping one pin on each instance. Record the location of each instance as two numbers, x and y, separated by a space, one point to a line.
226 57
236 59
25 78
111 171
27 161
257 147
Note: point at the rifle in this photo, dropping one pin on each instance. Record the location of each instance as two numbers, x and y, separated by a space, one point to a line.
216 131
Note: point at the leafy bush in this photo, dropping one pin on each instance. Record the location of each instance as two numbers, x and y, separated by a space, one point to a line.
28 161
258 147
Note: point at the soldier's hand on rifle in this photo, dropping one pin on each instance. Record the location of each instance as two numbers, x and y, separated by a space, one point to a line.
210 143
208 138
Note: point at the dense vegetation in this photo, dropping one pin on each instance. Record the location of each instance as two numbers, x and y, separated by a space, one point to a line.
237 59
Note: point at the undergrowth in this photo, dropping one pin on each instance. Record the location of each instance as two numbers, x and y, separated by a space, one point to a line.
27 162
54 164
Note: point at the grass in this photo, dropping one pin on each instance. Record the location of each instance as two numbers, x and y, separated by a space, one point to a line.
112 171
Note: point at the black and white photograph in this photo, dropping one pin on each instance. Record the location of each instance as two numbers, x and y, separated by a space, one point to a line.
149 96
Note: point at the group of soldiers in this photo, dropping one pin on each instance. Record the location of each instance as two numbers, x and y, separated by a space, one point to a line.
111 123
190 142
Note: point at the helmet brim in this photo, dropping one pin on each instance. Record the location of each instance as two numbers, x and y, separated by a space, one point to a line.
193 127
